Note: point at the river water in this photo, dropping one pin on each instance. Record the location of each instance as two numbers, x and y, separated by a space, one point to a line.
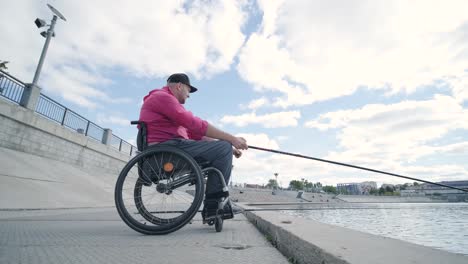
438 225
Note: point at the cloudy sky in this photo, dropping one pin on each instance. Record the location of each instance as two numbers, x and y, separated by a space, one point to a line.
382 84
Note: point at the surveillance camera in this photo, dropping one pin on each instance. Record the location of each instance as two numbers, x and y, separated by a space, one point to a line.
40 23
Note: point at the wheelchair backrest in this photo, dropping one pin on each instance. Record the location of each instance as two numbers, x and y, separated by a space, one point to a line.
142 136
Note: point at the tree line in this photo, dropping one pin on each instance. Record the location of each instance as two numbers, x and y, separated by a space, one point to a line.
305 185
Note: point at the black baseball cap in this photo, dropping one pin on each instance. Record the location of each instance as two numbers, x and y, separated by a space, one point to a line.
181 78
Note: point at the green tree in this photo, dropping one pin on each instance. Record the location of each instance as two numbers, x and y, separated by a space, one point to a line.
309 185
381 190
373 191
329 189
272 183
296 185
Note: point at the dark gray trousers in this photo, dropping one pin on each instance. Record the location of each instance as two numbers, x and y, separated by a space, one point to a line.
218 152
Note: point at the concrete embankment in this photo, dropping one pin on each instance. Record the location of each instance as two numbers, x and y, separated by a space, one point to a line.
307 241
385 199
31 182
246 195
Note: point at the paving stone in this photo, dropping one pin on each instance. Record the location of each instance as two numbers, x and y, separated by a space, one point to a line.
100 236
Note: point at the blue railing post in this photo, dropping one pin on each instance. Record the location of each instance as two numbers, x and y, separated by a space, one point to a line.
64 116
107 136
30 96
87 127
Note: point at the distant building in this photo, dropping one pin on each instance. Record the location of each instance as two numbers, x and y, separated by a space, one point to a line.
444 193
362 188
348 188
367 186
256 186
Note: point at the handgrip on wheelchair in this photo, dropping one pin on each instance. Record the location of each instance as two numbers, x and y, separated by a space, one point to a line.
135 122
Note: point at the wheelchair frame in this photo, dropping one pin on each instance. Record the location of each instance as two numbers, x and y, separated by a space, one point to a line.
151 224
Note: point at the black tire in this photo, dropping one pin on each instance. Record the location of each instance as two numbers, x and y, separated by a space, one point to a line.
145 213
219 223
147 218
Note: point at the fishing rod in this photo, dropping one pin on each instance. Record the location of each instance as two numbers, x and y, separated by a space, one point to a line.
354 166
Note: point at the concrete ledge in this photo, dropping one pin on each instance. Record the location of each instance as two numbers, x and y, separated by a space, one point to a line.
307 241
386 199
29 132
254 204
34 120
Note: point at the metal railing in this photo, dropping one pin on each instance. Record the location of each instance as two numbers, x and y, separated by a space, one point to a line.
12 89
94 131
70 119
122 145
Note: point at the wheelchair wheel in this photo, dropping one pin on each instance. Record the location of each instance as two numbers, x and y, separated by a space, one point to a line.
219 223
159 191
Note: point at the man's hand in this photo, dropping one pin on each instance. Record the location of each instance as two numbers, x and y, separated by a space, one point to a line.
239 143
237 153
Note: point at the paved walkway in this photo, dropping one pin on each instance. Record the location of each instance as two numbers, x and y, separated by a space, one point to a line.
100 236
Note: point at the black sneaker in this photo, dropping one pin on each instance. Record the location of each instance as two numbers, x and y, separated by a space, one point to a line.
234 208
210 208
230 209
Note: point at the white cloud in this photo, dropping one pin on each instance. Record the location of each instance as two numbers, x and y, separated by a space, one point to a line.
282 138
112 120
394 134
257 103
258 166
456 148
280 119
151 38
459 84
132 141
260 140
313 50
437 173
78 85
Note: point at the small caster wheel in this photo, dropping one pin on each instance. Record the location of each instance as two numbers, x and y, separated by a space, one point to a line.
219 224
211 222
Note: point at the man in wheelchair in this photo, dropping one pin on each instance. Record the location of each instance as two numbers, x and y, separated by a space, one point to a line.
169 123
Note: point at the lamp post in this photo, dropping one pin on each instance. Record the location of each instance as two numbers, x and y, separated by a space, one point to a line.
50 33
276 179
32 92
44 50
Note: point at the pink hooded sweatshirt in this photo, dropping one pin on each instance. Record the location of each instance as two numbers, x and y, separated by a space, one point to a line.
167 119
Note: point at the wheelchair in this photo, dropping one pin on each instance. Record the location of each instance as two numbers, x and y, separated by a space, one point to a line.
161 189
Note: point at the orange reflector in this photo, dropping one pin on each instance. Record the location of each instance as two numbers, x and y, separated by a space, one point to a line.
168 167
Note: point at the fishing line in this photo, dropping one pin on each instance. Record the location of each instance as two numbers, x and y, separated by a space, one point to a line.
356 167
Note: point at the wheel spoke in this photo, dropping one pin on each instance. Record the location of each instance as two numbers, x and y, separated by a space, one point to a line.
170 201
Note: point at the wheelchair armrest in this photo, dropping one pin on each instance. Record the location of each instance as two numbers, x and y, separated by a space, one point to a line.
142 142
137 122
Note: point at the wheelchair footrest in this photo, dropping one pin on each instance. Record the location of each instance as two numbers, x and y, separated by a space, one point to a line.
212 209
